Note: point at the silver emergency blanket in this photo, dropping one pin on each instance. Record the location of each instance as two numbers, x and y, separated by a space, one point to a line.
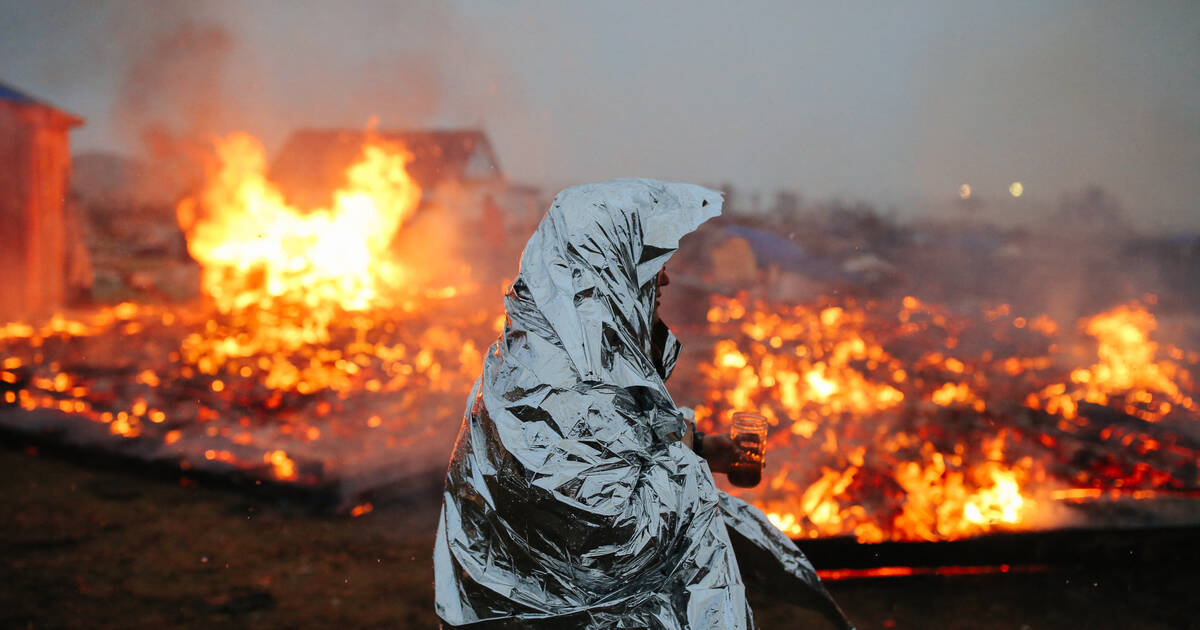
570 501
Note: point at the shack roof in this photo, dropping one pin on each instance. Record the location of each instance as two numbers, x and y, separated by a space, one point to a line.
313 162
10 94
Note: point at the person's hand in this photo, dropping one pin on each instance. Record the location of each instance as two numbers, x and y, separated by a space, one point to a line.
719 451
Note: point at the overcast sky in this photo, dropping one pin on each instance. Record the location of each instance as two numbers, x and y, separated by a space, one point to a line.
896 105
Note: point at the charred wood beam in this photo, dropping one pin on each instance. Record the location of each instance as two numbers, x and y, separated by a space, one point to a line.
1056 549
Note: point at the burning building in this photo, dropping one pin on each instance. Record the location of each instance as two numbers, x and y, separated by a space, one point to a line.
42 257
314 307
446 164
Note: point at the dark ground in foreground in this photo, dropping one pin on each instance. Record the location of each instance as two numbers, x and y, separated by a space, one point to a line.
88 546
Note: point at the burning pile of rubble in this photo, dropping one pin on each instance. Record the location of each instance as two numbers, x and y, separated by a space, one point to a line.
374 403
898 420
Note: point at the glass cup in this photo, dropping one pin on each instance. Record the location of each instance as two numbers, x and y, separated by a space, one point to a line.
749 435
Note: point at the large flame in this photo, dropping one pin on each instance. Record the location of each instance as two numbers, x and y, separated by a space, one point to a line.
259 254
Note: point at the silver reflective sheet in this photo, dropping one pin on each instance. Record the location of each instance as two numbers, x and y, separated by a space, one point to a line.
570 500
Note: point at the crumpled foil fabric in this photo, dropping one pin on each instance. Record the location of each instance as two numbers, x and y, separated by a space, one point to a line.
570 501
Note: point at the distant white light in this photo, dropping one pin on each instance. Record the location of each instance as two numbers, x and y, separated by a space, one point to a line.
964 191
1016 189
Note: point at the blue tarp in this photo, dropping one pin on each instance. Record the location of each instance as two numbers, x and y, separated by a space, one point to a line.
12 95
773 249
1183 239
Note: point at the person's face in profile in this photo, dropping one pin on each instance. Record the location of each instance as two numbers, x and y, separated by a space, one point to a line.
663 280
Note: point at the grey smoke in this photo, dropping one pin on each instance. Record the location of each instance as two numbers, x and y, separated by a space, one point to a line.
896 104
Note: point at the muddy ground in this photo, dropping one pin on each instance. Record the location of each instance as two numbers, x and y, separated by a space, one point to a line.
97 546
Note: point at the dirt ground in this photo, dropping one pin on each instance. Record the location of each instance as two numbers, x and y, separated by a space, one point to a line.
98 547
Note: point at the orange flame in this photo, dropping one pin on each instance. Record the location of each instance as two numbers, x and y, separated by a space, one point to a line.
1128 372
260 254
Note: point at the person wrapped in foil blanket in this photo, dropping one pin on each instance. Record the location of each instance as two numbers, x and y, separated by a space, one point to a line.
571 499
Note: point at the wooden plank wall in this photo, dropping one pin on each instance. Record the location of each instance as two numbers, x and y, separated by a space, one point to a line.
34 167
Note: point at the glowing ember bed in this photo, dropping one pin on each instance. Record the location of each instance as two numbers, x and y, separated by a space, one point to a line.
874 436
370 408
905 421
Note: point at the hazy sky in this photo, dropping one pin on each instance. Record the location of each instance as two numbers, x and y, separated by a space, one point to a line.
896 105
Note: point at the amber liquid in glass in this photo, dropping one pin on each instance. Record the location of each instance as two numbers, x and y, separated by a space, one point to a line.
746 469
